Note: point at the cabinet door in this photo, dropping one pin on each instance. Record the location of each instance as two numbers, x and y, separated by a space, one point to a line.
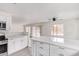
24 42
42 49
34 48
56 50
20 43
60 51
53 50
11 46
17 44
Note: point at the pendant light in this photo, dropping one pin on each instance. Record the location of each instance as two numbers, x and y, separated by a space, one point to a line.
54 19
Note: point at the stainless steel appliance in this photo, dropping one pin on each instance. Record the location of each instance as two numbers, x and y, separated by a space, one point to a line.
3 48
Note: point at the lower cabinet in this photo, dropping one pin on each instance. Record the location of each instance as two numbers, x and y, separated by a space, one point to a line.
45 49
56 50
34 48
53 50
11 46
42 49
16 44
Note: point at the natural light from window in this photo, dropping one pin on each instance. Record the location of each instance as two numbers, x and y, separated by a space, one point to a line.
57 33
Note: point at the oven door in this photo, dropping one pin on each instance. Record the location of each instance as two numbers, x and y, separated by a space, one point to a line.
3 48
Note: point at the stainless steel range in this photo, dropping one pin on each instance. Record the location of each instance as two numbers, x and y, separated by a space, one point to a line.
3 44
3 48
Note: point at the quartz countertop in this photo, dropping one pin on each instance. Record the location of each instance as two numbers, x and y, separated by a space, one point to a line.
16 36
73 44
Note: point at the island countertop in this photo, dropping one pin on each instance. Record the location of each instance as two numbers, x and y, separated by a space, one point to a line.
73 44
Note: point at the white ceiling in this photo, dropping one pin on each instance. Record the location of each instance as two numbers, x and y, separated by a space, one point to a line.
37 12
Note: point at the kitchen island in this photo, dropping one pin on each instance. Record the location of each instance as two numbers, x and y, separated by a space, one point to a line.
52 46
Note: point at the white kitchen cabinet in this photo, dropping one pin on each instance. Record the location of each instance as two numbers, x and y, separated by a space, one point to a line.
34 48
46 49
42 49
23 42
53 50
16 44
11 46
56 50
20 43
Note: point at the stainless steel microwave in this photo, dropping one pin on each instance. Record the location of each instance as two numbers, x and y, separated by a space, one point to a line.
2 25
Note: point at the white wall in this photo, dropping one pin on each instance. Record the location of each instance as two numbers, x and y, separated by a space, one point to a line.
16 27
45 29
70 29
77 29
4 13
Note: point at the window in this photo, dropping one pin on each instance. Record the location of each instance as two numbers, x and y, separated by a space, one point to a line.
57 30
36 31
33 31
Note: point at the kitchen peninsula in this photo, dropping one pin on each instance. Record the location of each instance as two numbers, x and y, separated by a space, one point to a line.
48 46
